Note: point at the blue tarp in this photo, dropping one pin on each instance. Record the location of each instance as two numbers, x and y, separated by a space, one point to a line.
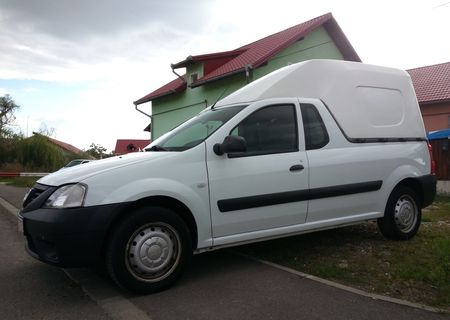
436 135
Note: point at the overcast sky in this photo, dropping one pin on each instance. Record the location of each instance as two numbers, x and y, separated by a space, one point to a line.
77 65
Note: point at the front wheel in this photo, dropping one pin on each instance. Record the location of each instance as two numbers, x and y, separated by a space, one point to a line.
402 216
148 250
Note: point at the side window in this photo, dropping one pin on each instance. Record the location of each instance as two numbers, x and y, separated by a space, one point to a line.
316 135
272 129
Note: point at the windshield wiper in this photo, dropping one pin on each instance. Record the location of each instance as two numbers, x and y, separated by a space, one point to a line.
156 148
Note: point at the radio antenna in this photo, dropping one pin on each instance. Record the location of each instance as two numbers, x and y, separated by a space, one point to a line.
220 97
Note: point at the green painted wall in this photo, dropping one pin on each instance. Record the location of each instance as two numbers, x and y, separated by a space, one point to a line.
194 68
186 104
170 111
317 45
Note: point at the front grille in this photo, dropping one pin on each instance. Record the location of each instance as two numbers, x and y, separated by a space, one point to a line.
34 193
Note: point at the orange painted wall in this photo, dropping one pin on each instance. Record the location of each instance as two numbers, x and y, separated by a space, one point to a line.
436 116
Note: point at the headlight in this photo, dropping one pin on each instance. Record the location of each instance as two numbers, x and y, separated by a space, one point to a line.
68 196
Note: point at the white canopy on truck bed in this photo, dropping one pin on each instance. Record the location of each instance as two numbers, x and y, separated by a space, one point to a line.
368 102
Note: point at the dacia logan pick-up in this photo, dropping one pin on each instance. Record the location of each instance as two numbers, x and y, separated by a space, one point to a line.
312 146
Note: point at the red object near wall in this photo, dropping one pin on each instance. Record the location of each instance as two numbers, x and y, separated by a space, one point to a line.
441 155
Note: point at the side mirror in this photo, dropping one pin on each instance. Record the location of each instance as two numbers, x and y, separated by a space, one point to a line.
230 144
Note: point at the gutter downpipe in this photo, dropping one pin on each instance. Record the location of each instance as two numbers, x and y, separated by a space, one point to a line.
151 117
180 77
248 73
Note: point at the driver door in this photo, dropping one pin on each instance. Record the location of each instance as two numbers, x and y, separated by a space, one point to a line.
264 187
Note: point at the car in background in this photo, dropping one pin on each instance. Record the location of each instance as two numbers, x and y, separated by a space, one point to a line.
76 162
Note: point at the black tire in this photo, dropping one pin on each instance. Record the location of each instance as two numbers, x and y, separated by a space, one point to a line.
148 250
402 215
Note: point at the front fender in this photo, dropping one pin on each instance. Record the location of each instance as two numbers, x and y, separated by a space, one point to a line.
194 197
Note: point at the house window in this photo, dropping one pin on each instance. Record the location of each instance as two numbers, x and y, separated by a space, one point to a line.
194 77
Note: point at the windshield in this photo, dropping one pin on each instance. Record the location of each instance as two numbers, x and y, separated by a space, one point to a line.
195 130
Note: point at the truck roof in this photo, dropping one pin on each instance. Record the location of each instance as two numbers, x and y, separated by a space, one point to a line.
367 101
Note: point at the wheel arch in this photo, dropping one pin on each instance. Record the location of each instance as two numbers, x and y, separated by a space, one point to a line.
420 181
416 186
173 204
423 186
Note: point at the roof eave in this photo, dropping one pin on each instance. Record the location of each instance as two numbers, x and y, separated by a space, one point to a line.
427 102
151 98
341 40
204 57
182 64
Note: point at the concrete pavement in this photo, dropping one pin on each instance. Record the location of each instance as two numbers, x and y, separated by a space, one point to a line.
13 195
30 289
222 285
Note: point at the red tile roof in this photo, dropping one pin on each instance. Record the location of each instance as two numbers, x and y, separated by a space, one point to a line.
432 83
63 145
209 56
124 146
255 54
174 86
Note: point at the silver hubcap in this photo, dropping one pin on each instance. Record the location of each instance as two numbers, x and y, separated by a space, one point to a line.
153 252
406 213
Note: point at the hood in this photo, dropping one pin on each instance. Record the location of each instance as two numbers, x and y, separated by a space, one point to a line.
83 171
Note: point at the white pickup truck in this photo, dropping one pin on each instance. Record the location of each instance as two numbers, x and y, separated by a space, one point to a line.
315 145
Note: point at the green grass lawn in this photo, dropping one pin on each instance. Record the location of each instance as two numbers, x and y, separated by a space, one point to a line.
417 270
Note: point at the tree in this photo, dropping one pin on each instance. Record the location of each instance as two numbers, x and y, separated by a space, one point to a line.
7 109
46 131
96 150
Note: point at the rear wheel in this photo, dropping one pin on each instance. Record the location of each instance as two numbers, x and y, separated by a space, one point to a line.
148 250
402 216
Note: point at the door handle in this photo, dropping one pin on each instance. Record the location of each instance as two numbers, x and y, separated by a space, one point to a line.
297 167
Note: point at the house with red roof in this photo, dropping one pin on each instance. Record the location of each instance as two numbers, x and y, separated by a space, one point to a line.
124 146
208 77
66 148
432 85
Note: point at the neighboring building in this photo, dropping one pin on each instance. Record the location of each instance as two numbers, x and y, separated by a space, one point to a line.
210 77
124 146
440 141
67 148
432 85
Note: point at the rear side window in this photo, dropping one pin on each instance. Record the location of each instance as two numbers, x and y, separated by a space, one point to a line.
272 129
316 135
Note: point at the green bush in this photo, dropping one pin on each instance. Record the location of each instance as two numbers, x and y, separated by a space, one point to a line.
9 149
39 154
33 154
